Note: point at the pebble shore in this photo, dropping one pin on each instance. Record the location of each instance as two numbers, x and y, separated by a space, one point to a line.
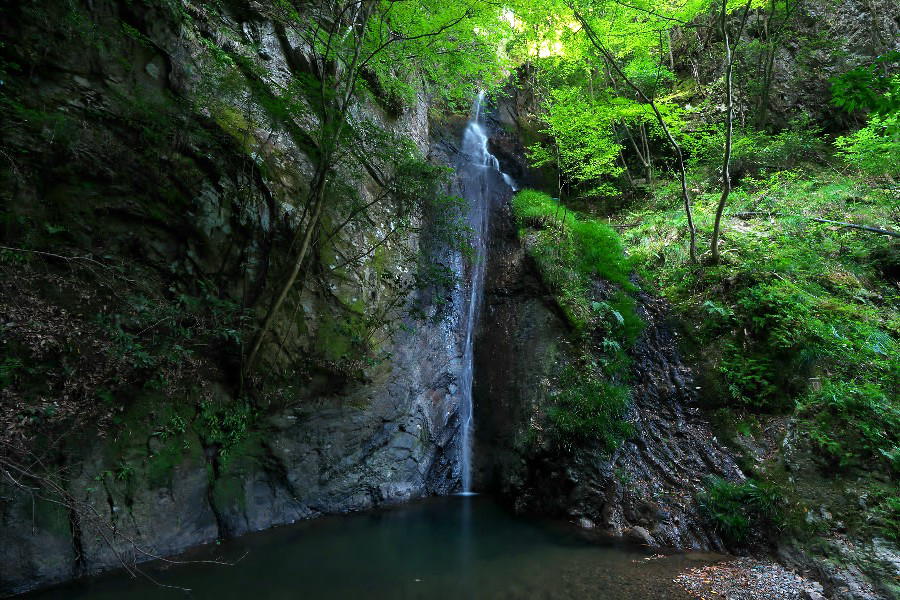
748 579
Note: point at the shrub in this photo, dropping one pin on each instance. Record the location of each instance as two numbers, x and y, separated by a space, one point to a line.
750 378
874 87
776 312
589 408
224 425
874 149
774 338
736 509
753 150
570 251
853 424
888 514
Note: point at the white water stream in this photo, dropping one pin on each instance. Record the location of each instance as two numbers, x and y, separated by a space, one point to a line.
481 180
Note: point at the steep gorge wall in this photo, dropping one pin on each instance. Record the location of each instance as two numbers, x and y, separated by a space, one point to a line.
123 141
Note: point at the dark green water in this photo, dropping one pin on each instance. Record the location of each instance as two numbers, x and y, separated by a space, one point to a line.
443 548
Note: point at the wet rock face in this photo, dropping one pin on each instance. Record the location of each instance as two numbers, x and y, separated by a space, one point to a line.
653 479
822 39
342 457
850 33
849 570
520 338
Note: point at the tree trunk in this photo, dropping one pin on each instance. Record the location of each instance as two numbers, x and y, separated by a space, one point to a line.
649 162
317 203
612 63
726 155
627 170
729 118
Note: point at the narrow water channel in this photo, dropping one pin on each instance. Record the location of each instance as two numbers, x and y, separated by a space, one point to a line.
456 547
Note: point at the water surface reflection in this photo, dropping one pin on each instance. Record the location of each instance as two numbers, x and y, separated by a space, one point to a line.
456 547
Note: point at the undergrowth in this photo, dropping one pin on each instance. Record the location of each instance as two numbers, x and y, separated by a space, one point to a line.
588 407
800 320
571 252
583 264
737 510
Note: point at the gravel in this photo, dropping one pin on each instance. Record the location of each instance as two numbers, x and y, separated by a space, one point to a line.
748 579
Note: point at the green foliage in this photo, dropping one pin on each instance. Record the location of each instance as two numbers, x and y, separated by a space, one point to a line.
571 254
751 377
588 408
449 48
175 426
777 313
874 149
584 147
888 515
597 249
9 367
649 74
874 87
793 304
156 335
452 45
853 424
586 135
124 471
591 110
739 509
792 298
754 151
224 425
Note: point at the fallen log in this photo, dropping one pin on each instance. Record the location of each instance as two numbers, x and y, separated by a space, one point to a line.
745 215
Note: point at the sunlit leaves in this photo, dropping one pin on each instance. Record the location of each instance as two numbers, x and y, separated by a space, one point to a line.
453 46
588 107
874 149
582 130
874 87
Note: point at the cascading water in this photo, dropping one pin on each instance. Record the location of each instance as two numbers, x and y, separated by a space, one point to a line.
481 181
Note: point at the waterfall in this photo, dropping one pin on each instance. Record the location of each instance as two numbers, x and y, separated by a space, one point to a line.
481 180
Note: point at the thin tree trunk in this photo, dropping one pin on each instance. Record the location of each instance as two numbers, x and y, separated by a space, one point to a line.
726 155
671 55
331 139
627 170
649 164
729 118
612 63
316 212
642 154
774 34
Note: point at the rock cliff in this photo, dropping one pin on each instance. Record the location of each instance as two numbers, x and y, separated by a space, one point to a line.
125 145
